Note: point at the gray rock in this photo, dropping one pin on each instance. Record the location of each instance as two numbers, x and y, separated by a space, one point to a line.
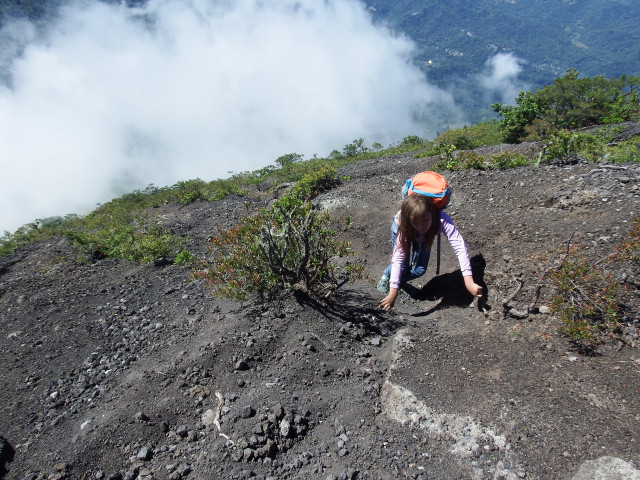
208 418
248 411
258 429
141 417
606 468
144 453
241 365
278 411
285 428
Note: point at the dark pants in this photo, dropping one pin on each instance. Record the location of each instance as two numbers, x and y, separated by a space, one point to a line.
416 261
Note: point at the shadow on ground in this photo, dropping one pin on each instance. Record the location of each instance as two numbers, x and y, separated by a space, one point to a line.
450 290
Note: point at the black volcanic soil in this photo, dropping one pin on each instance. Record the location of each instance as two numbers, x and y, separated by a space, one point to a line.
115 370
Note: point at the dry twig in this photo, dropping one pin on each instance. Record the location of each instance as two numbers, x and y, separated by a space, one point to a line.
216 419
507 310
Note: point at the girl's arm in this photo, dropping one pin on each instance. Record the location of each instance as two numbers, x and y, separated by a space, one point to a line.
397 258
458 245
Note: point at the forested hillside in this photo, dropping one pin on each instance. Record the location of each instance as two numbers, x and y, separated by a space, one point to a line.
455 38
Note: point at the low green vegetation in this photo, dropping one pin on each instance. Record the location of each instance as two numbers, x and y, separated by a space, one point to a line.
473 136
556 115
587 297
137 237
629 249
23 236
468 159
570 103
288 245
594 147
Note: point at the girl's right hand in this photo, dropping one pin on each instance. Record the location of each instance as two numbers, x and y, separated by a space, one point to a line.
387 302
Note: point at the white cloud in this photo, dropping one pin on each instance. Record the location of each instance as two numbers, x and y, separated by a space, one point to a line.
110 99
501 78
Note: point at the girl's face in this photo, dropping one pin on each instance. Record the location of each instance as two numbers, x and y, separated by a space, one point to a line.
421 224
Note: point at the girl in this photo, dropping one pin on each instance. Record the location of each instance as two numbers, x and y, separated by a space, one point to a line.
414 227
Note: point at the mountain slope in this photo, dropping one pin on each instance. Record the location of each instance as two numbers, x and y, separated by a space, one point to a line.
120 370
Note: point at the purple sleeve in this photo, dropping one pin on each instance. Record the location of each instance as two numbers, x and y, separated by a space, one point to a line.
397 257
457 243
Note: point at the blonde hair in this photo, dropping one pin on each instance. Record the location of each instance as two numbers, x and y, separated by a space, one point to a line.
417 206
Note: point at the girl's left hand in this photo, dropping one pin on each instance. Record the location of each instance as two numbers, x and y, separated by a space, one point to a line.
472 287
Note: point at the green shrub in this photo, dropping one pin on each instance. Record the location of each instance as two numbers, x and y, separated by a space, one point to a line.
570 102
189 191
355 148
474 136
593 147
185 257
23 236
468 159
445 152
586 298
288 159
233 186
626 151
409 144
629 249
471 160
286 246
315 182
138 241
506 160
412 142
563 143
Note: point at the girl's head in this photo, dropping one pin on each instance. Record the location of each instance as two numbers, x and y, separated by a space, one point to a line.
418 217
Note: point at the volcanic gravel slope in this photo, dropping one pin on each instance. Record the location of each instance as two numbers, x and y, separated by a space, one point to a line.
115 370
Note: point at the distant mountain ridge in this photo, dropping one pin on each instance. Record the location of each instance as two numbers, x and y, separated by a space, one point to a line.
456 37
597 38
